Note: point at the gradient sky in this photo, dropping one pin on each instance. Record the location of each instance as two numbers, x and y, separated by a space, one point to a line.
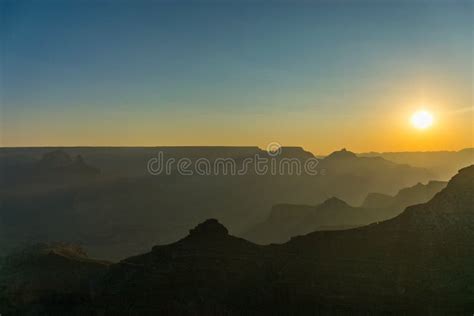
318 74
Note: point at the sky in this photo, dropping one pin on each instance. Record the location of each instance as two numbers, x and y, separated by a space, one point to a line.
318 74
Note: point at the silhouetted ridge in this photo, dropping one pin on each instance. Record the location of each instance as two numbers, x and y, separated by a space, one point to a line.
333 202
458 196
288 220
377 200
209 227
341 154
415 263
443 164
44 274
419 193
412 264
37 250
295 152
99 207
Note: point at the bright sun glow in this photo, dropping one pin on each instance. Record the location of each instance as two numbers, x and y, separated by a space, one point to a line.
422 119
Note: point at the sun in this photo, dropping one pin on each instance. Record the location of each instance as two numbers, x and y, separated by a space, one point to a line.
422 119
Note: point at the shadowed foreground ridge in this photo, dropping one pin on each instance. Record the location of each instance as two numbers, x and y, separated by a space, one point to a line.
420 261
48 278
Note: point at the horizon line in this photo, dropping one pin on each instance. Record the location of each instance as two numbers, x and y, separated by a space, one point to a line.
231 146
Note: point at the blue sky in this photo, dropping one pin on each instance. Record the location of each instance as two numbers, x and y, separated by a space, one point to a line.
230 72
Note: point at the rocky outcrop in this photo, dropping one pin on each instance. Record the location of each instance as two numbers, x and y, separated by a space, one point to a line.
210 227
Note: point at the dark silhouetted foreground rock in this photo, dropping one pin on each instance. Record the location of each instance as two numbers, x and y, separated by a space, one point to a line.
48 278
211 227
419 262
